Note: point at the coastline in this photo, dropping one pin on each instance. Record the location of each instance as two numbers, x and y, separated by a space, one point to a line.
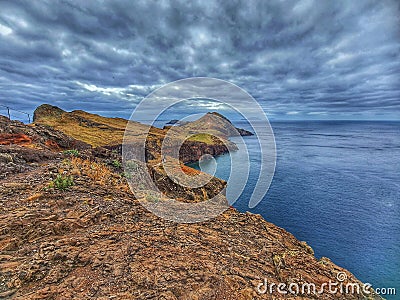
96 232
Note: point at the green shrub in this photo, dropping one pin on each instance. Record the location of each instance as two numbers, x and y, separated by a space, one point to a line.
127 175
116 163
72 152
152 198
62 182
131 166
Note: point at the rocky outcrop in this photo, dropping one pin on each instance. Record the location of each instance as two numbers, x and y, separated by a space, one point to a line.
15 138
22 146
37 136
193 151
244 132
170 188
46 111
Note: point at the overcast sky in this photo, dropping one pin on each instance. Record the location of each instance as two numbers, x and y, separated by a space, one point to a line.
299 59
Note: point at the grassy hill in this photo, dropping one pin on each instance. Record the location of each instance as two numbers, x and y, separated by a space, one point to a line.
101 131
90 128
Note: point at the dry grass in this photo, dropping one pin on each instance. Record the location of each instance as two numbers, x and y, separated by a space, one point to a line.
116 123
98 172
95 136
93 129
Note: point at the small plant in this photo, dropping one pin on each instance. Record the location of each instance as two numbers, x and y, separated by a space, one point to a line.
62 182
131 166
66 162
127 175
152 198
71 152
116 163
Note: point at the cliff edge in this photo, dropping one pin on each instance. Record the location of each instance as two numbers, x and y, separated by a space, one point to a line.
72 229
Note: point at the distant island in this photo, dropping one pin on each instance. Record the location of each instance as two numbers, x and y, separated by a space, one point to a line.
72 229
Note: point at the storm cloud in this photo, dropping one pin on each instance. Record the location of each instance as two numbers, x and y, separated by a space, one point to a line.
299 59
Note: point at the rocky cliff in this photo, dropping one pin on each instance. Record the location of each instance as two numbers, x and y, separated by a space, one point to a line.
108 132
72 229
193 151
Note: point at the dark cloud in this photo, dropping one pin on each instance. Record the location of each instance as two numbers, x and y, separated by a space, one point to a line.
302 59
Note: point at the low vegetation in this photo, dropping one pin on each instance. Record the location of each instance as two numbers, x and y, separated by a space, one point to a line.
72 152
152 198
62 182
97 172
116 163
202 137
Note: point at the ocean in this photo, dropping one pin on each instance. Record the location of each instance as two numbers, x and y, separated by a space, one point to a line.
337 187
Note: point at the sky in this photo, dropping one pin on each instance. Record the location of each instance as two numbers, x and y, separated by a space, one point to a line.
306 59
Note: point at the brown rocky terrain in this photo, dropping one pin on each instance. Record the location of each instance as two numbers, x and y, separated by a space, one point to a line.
72 229
109 132
23 146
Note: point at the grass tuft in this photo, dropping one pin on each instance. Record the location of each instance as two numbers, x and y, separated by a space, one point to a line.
116 163
72 152
62 182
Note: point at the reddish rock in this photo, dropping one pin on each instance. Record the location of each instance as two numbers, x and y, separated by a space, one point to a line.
16 139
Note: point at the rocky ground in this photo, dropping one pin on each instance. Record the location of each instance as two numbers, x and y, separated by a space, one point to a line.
24 146
91 239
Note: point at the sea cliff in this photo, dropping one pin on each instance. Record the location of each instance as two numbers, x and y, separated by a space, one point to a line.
72 229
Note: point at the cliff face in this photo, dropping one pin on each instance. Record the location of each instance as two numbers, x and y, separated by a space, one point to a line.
193 151
94 240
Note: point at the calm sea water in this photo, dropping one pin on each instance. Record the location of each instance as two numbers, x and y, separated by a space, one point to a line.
336 186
